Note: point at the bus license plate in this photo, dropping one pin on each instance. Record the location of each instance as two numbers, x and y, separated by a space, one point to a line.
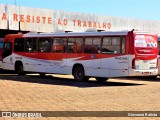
146 73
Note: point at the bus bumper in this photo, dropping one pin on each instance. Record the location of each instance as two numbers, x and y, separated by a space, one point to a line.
143 72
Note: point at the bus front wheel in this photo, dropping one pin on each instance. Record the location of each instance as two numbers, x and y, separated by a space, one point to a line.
79 74
19 69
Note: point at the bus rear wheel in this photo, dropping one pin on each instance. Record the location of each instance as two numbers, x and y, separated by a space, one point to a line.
79 74
101 79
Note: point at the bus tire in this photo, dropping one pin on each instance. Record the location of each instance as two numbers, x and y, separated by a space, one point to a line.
19 69
101 79
79 74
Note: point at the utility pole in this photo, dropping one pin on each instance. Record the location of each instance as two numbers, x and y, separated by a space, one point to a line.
15 2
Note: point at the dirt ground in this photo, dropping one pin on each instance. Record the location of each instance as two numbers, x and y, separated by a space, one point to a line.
63 93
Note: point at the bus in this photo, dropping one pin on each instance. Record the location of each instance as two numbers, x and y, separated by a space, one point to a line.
1 49
101 55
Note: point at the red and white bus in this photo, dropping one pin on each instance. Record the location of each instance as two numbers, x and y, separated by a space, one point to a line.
83 54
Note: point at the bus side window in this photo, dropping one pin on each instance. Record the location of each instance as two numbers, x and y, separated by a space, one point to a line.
123 45
77 48
45 44
31 45
75 45
19 45
71 43
111 45
92 45
59 45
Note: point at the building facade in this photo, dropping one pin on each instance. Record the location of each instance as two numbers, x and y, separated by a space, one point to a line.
15 18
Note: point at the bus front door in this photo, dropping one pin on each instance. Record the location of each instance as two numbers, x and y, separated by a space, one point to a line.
7 59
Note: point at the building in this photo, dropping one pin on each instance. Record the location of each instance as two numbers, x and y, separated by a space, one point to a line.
14 19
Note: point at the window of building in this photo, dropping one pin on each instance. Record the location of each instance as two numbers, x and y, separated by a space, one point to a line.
59 45
19 45
111 45
31 45
75 45
92 45
44 44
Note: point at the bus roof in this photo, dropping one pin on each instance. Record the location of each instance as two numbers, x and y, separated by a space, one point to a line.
72 34
79 34
56 34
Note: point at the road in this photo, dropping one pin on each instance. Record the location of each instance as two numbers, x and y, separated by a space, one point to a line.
63 93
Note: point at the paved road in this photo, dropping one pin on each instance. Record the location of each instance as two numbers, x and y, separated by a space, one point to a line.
62 93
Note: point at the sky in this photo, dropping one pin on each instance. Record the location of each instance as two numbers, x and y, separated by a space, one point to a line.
141 9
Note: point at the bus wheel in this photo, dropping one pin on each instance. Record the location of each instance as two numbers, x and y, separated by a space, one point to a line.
19 69
101 79
79 74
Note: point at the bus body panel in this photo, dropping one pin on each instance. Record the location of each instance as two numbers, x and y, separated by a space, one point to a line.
142 72
8 64
113 69
115 65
